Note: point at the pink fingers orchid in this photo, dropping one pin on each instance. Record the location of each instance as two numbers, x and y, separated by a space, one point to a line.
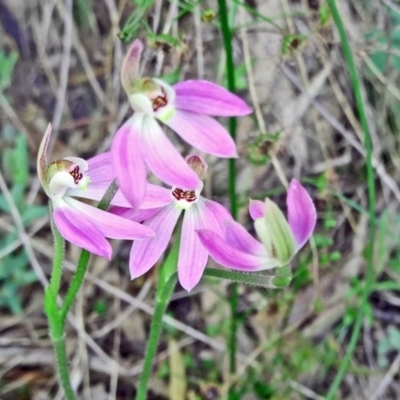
280 239
198 213
79 223
186 108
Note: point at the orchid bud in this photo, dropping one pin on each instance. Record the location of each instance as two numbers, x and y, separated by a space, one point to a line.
197 164
275 233
130 66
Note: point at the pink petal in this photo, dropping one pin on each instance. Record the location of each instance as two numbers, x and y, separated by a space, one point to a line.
110 225
74 227
145 253
230 257
163 159
238 237
192 254
130 66
96 191
214 215
135 215
204 97
302 216
156 196
203 133
100 168
128 162
256 209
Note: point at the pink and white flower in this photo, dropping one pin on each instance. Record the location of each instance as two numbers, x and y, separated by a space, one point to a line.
280 239
186 108
198 212
79 223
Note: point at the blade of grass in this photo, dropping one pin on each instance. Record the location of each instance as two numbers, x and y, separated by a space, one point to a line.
230 73
357 90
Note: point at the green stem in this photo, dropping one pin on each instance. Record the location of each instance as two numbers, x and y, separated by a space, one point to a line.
230 72
75 284
281 279
165 287
56 327
155 331
62 362
59 251
356 84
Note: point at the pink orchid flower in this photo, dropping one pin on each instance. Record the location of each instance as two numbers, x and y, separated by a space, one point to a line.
198 213
280 239
79 223
186 108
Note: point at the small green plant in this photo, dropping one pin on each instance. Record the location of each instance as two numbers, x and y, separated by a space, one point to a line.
390 343
386 42
15 272
7 64
258 152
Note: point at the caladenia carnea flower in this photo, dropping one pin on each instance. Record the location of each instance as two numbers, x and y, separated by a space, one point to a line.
186 108
280 239
198 213
80 223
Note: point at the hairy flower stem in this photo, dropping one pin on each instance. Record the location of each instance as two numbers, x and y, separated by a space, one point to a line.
356 84
56 326
165 287
57 316
281 279
59 251
163 298
230 72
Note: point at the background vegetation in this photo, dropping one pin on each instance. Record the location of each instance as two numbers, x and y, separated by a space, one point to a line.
60 62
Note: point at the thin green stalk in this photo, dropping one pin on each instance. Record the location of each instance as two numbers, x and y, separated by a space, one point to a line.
56 327
62 362
154 336
281 279
356 84
75 284
230 72
165 287
59 251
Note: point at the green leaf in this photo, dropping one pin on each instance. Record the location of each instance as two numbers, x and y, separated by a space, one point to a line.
7 64
33 212
16 161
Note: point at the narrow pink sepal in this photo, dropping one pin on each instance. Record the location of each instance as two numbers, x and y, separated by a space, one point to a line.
203 97
192 254
163 159
256 209
215 215
230 257
156 196
100 168
145 253
239 238
128 162
131 65
302 215
75 228
110 225
203 133
134 215
96 191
